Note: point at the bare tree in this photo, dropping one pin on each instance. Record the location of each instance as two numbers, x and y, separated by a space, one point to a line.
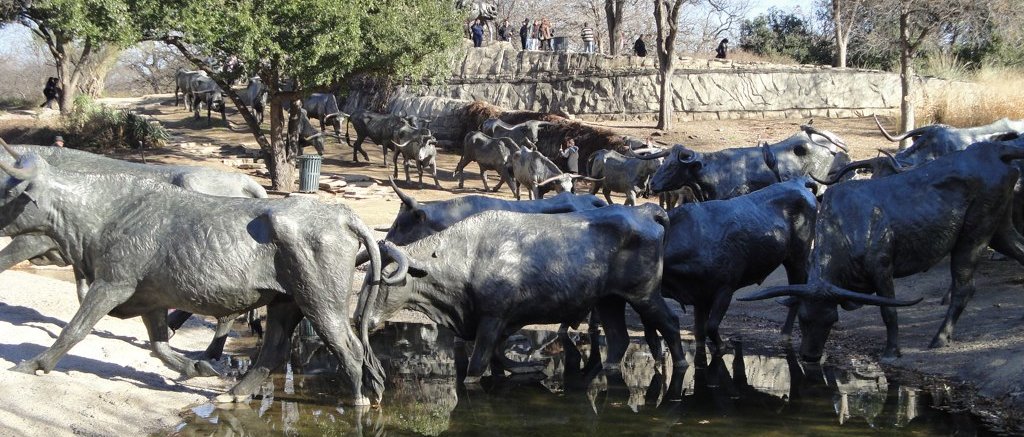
708 21
147 67
918 21
613 10
666 17
845 15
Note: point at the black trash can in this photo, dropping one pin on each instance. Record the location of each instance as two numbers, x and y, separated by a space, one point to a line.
309 173
560 43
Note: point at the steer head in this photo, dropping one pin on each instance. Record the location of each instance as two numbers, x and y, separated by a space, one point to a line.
377 303
21 187
413 221
818 310
681 168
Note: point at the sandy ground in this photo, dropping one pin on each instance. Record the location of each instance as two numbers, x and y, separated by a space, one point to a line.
97 386
106 385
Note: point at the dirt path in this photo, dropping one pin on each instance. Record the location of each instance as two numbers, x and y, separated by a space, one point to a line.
986 355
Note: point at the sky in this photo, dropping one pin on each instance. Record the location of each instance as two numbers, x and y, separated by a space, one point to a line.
15 38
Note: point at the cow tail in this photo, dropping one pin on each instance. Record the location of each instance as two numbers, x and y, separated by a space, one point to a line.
373 371
348 123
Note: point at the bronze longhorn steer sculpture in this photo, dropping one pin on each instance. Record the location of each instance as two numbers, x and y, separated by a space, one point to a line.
728 173
871 231
147 246
42 250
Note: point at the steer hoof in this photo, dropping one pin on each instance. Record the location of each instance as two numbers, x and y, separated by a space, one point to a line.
361 401
228 398
204 368
29 366
890 356
471 380
939 342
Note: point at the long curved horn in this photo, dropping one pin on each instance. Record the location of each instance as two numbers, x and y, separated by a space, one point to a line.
838 174
10 149
809 130
896 164
586 178
843 294
552 179
885 133
329 116
651 156
798 290
309 138
21 174
388 248
406 199
903 136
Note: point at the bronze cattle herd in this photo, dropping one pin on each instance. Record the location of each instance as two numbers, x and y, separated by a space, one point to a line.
144 239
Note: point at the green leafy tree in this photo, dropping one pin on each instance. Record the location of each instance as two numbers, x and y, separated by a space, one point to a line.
299 46
780 33
81 35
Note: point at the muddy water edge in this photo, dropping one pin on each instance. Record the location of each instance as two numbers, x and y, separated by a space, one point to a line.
747 391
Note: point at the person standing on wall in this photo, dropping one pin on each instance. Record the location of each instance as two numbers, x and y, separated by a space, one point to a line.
478 33
545 34
535 39
524 34
588 38
639 48
722 47
505 31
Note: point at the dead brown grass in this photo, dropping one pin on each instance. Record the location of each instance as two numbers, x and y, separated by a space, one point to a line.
993 93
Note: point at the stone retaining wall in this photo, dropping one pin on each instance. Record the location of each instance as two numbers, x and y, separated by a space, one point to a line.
598 87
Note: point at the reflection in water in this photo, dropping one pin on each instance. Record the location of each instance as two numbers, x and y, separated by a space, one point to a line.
736 393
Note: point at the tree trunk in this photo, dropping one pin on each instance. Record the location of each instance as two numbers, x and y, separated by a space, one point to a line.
841 54
94 79
282 170
667 22
613 15
665 97
837 23
68 80
906 80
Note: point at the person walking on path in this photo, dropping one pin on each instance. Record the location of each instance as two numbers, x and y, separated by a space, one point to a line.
52 92
588 38
639 48
478 33
722 47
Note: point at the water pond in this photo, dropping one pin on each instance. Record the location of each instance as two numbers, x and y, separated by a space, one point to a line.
734 395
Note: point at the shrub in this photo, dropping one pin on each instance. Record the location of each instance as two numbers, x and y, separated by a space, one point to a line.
98 126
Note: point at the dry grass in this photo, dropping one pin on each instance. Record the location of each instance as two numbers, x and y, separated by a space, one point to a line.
993 93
